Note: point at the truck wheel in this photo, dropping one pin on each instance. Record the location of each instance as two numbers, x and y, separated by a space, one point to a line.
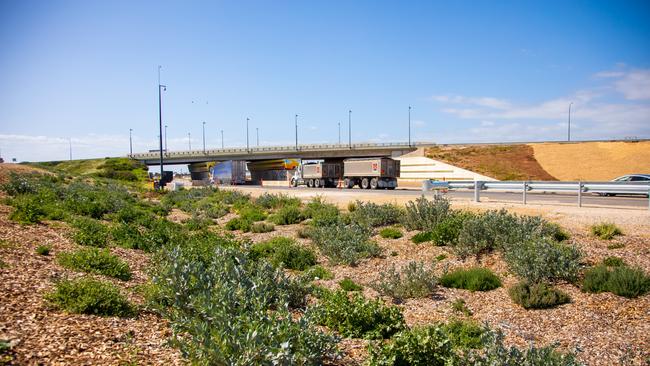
364 183
317 183
348 183
322 183
374 183
294 183
310 183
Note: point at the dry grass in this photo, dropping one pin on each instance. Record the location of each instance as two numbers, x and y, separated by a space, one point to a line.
593 160
503 162
6 169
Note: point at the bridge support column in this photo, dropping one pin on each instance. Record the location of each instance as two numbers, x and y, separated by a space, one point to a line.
199 174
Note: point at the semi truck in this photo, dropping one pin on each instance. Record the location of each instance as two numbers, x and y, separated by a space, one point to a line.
317 175
367 173
229 172
371 173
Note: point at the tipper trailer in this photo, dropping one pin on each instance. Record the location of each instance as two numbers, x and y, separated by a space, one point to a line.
371 173
317 175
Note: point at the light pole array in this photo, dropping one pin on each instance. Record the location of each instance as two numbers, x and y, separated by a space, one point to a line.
222 139
296 132
130 143
165 138
70 143
189 141
204 137
339 123
350 129
409 125
160 137
257 133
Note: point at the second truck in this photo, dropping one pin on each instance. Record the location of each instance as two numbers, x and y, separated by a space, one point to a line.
367 173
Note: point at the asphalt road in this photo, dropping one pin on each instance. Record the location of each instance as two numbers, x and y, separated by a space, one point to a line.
638 202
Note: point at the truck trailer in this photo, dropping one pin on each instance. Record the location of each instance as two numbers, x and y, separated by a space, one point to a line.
229 172
371 173
317 175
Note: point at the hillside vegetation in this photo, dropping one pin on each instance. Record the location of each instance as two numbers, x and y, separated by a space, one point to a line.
124 169
502 162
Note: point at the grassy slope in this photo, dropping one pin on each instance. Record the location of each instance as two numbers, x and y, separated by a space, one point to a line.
94 166
503 162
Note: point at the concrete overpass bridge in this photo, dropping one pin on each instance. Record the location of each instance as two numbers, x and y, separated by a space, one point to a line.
313 151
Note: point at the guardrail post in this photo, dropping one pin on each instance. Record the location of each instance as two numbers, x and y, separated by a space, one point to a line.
579 194
525 189
477 190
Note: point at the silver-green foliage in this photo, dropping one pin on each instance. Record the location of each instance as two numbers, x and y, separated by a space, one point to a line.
373 214
412 281
542 259
226 310
424 214
345 243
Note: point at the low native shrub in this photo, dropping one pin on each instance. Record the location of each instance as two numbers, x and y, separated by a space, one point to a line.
90 232
447 230
43 250
197 223
412 281
464 333
287 215
281 251
318 272
390 233
424 214
616 246
246 302
441 257
251 213
605 230
473 279
348 285
420 346
321 213
262 227
613 262
374 215
271 201
460 306
543 260
305 232
28 209
239 224
623 281
345 243
88 296
422 237
355 317
537 296
94 260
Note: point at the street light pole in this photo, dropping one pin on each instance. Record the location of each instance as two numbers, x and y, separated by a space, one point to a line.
350 129
160 137
247 146
130 143
165 138
296 132
70 141
257 133
189 141
221 139
569 130
339 123
409 125
204 137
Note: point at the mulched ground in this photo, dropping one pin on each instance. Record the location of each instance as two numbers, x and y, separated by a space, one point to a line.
604 328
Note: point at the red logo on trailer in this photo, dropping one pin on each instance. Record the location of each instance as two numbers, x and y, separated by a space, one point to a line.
374 167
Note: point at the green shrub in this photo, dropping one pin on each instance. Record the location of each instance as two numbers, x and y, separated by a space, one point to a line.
251 213
270 201
605 230
90 232
613 262
616 246
197 223
355 317
348 285
473 279
321 213
94 260
28 209
305 232
422 237
88 296
374 215
420 346
543 260
43 250
623 281
441 257
345 243
424 214
464 333
284 252
556 232
412 281
262 227
390 233
247 304
287 215
447 230
239 224
318 272
459 306
537 296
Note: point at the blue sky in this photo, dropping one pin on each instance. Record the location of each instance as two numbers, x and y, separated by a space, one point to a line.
471 70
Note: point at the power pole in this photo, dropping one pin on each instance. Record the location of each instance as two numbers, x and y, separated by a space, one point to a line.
339 123
204 137
222 139
350 129
409 125
296 132
257 132
165 138
569 130
189 140
160 136
130 143
247 146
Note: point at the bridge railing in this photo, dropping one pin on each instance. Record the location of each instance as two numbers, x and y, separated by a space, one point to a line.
282 149
577 188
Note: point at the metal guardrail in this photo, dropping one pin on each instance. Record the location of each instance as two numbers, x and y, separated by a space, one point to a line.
579 188
280 149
